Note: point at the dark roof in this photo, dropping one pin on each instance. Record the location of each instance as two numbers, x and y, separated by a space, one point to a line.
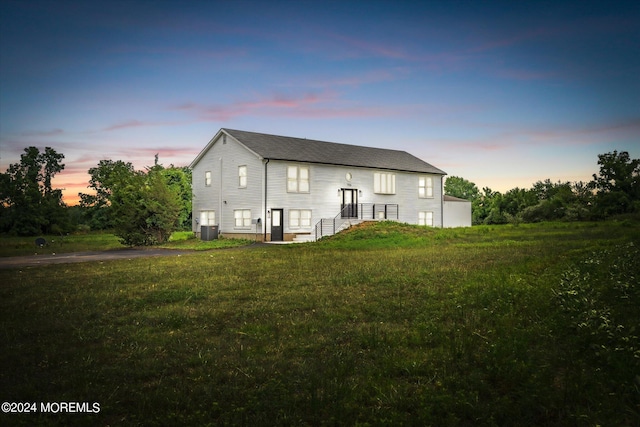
276 147
448 198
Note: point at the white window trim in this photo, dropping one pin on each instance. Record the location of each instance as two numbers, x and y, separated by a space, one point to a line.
425 218
207 217
300 219
242 177
425 187
243 220
384 183
207 179
298 181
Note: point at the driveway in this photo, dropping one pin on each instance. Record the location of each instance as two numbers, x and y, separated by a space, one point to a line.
71 257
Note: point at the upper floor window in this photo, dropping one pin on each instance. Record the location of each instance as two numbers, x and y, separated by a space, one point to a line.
242 176
242 218
299 218
298 179
425 187
384 183
207 179
425 218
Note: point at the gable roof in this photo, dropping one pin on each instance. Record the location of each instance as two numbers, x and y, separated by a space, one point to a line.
287 148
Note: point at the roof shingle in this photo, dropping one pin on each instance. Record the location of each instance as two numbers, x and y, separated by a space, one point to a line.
276 147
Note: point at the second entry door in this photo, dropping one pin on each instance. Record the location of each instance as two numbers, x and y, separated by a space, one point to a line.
349 208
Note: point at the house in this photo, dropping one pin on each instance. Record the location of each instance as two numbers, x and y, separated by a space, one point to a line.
278 188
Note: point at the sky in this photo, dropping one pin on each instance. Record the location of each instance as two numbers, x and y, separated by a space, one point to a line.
501 93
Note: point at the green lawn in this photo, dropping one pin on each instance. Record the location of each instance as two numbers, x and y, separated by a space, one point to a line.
386 324
98 241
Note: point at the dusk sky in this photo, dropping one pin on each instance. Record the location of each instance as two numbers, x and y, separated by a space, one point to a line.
503 94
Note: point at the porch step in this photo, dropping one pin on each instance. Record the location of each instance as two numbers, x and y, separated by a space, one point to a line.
348 224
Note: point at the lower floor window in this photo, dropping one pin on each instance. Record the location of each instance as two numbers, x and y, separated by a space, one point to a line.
242 217
425 218
207 217
299 218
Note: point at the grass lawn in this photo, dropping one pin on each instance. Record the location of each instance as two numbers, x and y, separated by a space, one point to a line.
386 324
99 241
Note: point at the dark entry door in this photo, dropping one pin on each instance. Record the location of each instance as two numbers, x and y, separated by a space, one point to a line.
349 206
277 234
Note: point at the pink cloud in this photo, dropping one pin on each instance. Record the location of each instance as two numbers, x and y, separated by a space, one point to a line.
506 139
363 47
134 123
125 125
357 80
311 105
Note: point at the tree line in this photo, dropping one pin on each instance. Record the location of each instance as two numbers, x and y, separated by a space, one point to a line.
143 207
614 191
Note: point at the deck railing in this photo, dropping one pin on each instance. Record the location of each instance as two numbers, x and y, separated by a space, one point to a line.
363 211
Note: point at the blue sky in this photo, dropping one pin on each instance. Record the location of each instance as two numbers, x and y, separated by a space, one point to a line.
500 93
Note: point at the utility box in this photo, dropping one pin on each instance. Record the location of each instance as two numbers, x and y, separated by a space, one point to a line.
208 232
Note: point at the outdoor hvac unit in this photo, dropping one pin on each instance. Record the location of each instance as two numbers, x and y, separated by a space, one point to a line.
209 232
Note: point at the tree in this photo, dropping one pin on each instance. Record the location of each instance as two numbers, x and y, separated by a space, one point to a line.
146 209
30 205
516 200
617 184
484 208
142 207
179 180
460 187
105 179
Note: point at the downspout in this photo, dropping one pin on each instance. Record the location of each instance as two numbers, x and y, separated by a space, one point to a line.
442 201
220 198
265 199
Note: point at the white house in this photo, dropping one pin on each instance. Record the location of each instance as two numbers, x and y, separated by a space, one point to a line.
276 188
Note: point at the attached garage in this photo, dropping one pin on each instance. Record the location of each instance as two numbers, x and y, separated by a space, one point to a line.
457 212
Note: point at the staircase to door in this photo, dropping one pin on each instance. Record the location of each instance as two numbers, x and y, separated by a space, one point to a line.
352 214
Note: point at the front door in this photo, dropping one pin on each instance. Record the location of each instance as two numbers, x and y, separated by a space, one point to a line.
349 207
276 225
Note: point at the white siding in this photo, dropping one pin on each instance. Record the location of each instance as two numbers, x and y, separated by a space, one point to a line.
457 213
223 161
326 180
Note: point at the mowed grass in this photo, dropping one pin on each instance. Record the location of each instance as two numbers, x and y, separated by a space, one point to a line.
387 324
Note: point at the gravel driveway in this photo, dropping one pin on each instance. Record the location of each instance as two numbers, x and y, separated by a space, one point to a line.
71 257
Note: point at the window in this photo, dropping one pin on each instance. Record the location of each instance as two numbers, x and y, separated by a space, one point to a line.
207 179
242 218
299 218
207 217
297 179
425 218
384 183
242 176
425 187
